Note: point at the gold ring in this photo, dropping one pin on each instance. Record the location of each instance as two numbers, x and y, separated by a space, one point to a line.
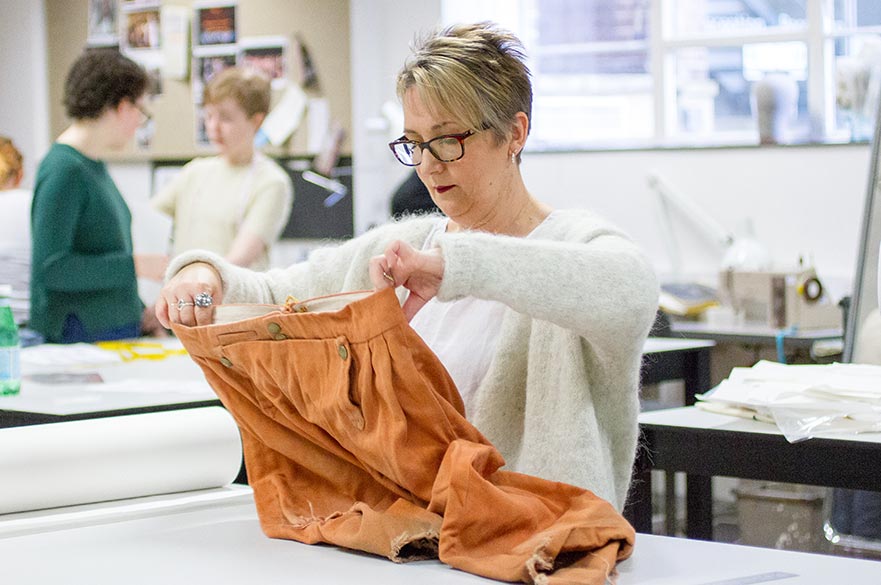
388 277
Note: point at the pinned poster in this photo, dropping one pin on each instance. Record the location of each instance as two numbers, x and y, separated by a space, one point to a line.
266 54
140 27
285 117
207 63
214 23
103 23
174 24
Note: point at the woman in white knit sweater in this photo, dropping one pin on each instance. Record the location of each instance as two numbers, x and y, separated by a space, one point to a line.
539 315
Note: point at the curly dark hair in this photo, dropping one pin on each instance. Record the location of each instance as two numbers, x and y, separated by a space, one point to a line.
100 79
10 160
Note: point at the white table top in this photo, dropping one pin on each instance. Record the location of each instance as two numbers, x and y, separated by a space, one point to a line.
662 344
695 418
139 383
192 538
757 330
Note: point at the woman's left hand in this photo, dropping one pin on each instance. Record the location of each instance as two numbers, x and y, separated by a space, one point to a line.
420 272
150 325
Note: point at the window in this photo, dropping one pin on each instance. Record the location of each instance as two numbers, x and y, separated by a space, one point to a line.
648 72
856 36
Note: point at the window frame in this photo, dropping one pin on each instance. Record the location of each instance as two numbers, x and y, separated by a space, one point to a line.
819 34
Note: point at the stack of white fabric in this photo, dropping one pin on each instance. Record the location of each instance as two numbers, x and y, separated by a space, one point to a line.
803 400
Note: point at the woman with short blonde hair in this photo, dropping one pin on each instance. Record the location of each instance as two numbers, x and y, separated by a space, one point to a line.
539 315
475 70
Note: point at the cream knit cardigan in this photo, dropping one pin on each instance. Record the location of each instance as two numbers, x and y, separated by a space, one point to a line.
560 399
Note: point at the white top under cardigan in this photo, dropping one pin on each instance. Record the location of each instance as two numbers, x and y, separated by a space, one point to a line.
560 399
462 333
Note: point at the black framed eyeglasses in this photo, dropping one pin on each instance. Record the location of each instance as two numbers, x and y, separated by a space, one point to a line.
146 115
445 148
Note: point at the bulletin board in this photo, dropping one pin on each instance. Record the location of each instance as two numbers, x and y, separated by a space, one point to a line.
265 28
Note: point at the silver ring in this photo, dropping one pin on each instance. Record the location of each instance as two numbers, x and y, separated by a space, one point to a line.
182 303
204 299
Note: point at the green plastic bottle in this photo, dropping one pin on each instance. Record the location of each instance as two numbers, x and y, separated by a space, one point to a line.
10 346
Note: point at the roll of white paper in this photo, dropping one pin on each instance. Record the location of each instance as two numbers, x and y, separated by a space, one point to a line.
80 462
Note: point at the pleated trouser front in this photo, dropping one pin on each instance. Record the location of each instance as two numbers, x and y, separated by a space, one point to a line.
354 434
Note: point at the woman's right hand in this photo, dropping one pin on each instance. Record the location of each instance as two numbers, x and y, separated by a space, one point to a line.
420 272
176 302
151 266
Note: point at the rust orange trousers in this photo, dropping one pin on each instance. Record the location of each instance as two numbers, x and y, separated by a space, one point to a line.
354 434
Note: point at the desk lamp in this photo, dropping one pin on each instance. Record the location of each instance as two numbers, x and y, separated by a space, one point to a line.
743 252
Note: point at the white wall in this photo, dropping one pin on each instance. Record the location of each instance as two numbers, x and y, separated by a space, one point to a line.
802 200
382 31
24 90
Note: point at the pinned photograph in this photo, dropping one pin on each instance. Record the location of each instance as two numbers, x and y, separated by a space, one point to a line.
214 23
267 54
103 23
141 29
175 31
207 64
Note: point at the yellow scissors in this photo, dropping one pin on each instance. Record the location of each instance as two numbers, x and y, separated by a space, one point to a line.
140 350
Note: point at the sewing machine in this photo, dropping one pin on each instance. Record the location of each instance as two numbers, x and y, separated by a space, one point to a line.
783 300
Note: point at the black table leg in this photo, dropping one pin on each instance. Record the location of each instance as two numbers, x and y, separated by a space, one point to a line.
699 507
696 374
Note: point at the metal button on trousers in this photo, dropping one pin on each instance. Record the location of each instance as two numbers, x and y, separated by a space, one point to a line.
355 435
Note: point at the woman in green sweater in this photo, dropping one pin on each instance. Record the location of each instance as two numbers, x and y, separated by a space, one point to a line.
84 276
